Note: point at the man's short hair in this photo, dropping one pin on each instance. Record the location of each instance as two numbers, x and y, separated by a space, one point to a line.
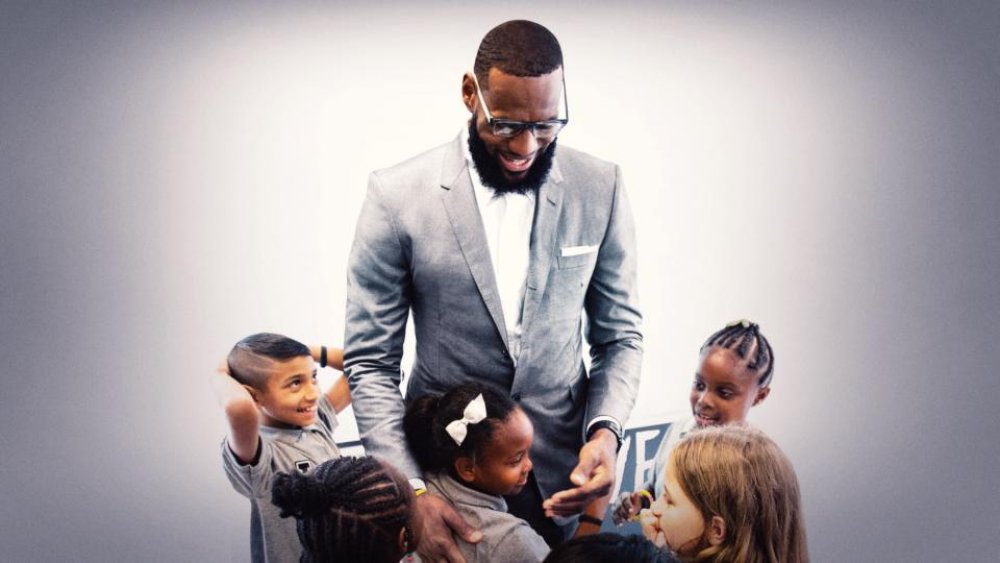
249 359
518 48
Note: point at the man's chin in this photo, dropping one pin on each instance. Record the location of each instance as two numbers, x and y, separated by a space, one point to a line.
514 178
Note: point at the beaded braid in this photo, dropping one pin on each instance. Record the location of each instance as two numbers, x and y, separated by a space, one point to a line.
347 509
745 339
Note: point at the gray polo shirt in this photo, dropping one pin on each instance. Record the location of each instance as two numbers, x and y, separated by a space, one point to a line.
505 536
274 539
677 431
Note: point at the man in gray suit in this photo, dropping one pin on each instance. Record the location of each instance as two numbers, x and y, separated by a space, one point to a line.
504 249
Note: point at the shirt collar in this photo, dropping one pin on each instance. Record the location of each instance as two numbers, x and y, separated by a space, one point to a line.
292 434
456 492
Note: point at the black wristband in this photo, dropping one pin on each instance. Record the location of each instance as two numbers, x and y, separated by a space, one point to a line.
591 519
322 356
610 425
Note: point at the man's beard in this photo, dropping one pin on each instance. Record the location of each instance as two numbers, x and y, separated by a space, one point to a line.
491 171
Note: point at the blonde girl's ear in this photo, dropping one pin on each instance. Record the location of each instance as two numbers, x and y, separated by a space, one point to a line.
465 468
716 531
762 394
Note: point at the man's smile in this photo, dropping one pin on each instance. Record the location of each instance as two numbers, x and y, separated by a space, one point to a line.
515 164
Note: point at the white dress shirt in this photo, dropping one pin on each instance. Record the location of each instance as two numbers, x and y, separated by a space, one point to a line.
507 220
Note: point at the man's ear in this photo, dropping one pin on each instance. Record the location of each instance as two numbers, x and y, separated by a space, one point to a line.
762 394
468 92
254 393
716 531
465 468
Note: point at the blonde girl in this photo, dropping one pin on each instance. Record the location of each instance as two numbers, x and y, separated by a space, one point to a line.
730 495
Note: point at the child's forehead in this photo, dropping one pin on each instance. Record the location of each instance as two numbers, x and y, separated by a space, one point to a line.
722 362
282 369
515 429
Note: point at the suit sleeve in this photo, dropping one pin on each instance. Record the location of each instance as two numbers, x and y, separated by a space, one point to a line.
613 327
378 304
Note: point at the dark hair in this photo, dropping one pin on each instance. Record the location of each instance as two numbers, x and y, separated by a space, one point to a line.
244 359
518 48
609 548
347 509
745 339
426 418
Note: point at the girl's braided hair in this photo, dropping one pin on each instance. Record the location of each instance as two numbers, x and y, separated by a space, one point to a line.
745 339
347 509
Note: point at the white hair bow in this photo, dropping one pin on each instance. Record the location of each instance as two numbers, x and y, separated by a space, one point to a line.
474 413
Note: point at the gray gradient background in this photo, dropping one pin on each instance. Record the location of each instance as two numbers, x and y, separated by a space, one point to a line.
175 177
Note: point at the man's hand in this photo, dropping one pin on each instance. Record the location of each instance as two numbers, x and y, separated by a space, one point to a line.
594 476
438 521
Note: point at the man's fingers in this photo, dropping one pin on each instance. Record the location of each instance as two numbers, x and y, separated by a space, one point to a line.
598 485
582 472
441 552
439 519
572 501
566 509
459 525
453 555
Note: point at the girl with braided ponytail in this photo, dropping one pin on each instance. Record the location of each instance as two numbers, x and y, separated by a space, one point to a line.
473 445
349 509
734 374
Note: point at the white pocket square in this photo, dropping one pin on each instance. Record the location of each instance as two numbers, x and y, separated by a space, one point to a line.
578 250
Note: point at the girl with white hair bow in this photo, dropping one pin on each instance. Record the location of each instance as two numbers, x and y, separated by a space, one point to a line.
473 444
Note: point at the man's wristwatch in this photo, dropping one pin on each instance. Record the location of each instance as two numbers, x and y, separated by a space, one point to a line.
610 425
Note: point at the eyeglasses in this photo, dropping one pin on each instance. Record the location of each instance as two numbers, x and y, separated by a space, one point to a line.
507 128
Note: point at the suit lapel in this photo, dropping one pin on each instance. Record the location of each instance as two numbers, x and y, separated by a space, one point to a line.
543 243
463 213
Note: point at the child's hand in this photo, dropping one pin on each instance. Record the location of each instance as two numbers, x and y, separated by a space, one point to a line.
651 528
626 507
241 412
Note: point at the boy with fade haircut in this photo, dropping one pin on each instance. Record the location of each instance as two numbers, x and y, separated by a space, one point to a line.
279 421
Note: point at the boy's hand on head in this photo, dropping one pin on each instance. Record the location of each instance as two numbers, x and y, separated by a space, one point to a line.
439 521
241 411
594 476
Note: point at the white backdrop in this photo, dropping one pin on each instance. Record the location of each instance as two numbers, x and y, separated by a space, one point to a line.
176 177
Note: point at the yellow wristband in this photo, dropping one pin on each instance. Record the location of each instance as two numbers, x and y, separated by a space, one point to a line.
419 492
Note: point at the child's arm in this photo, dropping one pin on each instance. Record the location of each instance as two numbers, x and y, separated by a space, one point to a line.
339 394
241 412
593 517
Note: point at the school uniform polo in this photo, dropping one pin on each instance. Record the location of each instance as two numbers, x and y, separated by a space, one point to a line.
678 430
505 536
272 538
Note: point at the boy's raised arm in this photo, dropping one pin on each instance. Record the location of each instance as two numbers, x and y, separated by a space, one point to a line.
339 394
241 413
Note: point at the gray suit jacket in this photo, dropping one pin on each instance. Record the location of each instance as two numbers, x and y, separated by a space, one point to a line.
420 246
